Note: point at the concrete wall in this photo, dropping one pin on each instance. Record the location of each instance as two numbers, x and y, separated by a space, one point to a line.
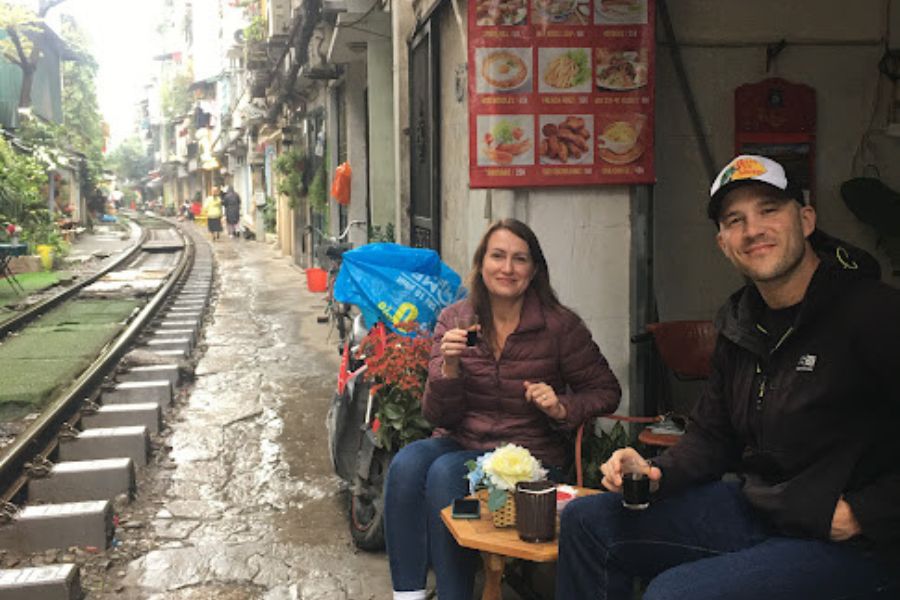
587 232
584 231
832 49
381 132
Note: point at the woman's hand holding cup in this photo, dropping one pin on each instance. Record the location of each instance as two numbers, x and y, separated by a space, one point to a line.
455 342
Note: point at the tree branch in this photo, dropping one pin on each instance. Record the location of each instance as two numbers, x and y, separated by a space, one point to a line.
46 5
17 42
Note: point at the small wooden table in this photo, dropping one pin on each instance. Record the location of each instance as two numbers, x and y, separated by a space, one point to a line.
497 544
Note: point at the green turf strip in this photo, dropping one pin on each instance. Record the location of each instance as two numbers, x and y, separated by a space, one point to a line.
55 350
32 282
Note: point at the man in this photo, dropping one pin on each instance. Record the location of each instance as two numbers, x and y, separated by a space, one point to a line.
803 404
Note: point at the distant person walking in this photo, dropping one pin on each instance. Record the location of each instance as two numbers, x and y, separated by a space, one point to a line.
214 214
196 206
231 202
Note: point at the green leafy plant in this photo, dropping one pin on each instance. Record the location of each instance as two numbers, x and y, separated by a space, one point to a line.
257 30
21 180
596 450
291 167
270 215
398 370
377 233
318 197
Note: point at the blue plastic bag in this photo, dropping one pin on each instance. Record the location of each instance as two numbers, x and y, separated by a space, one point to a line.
397 284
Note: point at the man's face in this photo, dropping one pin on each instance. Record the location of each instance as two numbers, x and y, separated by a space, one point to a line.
764 237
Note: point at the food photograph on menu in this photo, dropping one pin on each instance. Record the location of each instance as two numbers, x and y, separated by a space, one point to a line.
620 138
564 70
620 70
493 13
620 12
562 12
566 139
502 70
561 92
506 140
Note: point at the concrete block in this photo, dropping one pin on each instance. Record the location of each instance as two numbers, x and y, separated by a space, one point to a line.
179 323
169 373
108 442
148 414
184 314
82 480
51 582
174 343
168 332
178 354
132 392
47 526
175 310
189 305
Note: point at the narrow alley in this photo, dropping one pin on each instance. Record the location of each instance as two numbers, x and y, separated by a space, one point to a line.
244 503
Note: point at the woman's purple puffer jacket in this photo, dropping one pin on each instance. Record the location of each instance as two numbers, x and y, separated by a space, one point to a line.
486 405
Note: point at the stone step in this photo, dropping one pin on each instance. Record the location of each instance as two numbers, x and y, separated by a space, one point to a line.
83 480
50 582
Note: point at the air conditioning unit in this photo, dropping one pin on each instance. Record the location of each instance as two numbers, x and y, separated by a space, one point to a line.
279 17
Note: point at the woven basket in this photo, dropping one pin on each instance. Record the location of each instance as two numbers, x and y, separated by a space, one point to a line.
505 516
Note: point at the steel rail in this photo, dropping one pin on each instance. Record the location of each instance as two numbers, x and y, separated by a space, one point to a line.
45 428
40 308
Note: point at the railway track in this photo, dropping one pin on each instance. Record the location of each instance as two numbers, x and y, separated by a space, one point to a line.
63 475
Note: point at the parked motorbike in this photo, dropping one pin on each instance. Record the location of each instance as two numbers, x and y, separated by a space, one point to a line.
356 456
389 284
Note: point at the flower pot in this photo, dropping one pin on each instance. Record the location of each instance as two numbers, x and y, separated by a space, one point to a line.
505 516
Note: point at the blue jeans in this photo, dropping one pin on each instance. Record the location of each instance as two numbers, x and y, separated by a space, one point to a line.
706 543
423 478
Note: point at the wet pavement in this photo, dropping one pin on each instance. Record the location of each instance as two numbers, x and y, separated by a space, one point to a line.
241 502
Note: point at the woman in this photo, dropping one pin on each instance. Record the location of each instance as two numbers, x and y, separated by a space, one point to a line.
533 376
214 214
231 202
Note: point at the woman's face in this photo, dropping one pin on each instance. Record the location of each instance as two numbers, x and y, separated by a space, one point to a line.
507 267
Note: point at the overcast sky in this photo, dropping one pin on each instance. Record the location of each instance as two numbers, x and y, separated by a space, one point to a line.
123 40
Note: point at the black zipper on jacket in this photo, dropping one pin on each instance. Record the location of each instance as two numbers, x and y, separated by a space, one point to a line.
763 386
763 383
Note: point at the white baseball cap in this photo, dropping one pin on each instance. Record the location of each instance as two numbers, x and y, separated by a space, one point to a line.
743 170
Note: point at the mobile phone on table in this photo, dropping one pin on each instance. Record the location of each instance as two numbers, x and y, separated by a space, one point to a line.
466 508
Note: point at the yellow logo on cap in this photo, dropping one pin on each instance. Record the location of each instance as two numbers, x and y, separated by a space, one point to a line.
742 168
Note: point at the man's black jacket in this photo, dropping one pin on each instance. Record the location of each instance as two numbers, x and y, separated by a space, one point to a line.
815 419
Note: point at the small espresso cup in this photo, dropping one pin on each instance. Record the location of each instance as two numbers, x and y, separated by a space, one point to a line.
536 510
635 483
469 323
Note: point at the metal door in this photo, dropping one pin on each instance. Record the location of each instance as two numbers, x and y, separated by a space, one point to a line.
424 175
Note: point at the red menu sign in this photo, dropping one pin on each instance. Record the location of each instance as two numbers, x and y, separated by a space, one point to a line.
560 92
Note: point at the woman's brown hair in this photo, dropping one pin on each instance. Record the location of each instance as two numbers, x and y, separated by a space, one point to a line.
540 283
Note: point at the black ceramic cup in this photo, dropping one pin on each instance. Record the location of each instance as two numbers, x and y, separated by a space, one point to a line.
536 511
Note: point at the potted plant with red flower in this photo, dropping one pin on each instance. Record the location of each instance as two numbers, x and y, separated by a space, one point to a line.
398 374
